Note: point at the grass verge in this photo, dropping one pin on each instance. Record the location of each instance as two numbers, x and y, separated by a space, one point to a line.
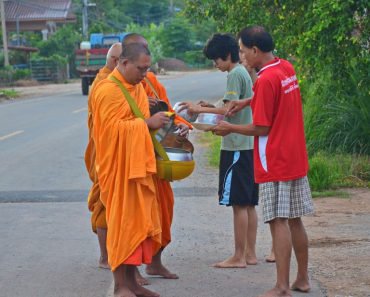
328 172
9 94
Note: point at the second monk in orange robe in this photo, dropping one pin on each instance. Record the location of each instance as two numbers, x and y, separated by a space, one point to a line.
98 221
125 164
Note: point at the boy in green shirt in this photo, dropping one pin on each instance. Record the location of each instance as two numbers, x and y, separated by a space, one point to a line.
236 178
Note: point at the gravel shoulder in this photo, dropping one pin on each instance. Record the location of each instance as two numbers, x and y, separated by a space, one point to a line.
339 235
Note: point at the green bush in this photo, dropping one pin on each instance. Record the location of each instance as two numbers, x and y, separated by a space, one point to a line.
196 58
330 171
9 74
21 74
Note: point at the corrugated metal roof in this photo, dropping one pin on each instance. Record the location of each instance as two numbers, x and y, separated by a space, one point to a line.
36 10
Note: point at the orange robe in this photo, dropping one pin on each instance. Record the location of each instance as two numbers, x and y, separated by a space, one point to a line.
93 200
164 190
162 94
125 164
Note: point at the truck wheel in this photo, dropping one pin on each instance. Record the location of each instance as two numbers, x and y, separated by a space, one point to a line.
85 85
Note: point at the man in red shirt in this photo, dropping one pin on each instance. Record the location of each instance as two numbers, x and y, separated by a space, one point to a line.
280 155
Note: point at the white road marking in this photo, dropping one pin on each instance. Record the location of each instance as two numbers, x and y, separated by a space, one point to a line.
11 135
80 110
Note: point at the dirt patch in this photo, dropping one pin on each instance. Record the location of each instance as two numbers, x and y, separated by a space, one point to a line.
340 244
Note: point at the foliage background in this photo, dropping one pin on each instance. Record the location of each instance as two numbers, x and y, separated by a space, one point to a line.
328 42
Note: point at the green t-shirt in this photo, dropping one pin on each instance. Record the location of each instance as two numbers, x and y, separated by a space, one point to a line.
239 86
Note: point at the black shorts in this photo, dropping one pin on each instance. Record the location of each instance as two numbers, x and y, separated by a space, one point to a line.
236 179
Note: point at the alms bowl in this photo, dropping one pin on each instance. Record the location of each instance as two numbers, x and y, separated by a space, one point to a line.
176 154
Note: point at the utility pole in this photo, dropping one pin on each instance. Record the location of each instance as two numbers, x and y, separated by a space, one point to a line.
5 40
85 20
171 7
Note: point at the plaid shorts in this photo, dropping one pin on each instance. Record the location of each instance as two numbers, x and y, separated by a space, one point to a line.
288 199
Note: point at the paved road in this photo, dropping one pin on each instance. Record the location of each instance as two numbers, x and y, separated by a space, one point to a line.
42 140
46 246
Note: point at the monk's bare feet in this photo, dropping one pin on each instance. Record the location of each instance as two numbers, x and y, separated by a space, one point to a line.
140 291
232 262
103 263
123 292
275 292
142 281
159 269
301 286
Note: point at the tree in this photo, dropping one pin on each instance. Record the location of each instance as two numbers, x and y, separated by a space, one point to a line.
177 37
325 39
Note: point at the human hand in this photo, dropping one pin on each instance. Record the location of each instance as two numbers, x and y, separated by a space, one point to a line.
234 107
205 104
152 101
158 120
222 129
191 108
183 129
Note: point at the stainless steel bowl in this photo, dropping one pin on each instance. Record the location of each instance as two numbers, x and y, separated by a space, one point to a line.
209 118
176 154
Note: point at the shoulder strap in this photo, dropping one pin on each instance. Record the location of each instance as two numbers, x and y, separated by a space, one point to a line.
135 109
152 87
137 112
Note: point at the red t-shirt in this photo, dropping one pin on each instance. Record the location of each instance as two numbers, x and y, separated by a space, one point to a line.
282 154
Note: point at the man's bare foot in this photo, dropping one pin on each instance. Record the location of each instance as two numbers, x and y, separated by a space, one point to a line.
123 292
161 271
103 263
251 260
270 258
231 263
275 292
301 286
142 281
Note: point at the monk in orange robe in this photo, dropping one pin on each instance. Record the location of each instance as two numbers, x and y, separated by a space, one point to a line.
155 91
98 222
125 164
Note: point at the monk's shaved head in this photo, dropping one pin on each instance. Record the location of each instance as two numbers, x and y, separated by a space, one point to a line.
134 62
133 51
113 55
134 38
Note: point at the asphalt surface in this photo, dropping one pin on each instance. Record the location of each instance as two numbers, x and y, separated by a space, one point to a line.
46 244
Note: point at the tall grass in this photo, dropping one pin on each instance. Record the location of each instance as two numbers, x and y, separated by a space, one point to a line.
213 153
331 171
338 116
328 171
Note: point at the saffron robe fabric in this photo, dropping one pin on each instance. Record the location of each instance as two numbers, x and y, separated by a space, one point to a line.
93 199
164 190
125 165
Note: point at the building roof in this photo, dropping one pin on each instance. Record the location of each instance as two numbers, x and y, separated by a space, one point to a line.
34 10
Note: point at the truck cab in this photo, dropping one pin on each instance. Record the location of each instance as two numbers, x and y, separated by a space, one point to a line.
91 56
